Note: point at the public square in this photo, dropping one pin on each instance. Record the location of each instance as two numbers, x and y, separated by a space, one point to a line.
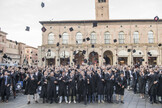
131 101
80 51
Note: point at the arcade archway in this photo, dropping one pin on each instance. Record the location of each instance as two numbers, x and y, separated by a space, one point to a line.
93 58
108 56
78 58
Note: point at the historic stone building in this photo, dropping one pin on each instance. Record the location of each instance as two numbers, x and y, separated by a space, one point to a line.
13 52
31 55
101 41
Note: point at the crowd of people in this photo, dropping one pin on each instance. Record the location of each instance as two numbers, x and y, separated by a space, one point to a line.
88 83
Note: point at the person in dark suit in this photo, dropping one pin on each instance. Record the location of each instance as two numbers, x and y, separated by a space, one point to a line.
51 87
120 86
31 86
142 83
83 80
44 82
63 80
13 81
5 86
135 75
109 80
152 86
100 86
72 87
89 86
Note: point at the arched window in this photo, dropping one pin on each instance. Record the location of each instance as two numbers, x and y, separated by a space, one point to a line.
121 37
93 38
79 38
51 38
107 37
136 37
150 37
65 38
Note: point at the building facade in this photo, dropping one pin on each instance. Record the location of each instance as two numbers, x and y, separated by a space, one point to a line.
101 41
31 55
13 52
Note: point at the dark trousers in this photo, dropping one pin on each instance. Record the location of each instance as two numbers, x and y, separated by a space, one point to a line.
153 98
5 92
135 86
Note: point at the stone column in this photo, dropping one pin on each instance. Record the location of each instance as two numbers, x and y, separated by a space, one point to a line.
101 57
71 56
159 57
130 58
145 56
115 56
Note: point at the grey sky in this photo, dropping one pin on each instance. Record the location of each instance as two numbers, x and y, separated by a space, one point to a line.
15 15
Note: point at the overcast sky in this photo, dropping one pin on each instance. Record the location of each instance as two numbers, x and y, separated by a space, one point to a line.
15 15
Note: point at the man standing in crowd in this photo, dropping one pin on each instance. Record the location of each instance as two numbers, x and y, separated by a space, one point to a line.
5 86
120 86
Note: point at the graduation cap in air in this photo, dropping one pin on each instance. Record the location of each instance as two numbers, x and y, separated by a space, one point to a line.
4 56
115 40
84 52
156 18
134 51
60 36
71 29
10 40
94 24
140 53
16 42
74 53
58 44
159 45
85 60
88 38
43 29
148 53
42 4
43 59
30 57
27 28
49 50
129 50
92 46
84 40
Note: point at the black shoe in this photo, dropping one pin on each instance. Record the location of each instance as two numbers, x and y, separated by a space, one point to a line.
151 102
28 102
122 102
51 102
14 97
111 101
36 101
156 102
46 101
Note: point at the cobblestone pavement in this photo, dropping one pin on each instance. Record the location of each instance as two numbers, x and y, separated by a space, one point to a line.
131 101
